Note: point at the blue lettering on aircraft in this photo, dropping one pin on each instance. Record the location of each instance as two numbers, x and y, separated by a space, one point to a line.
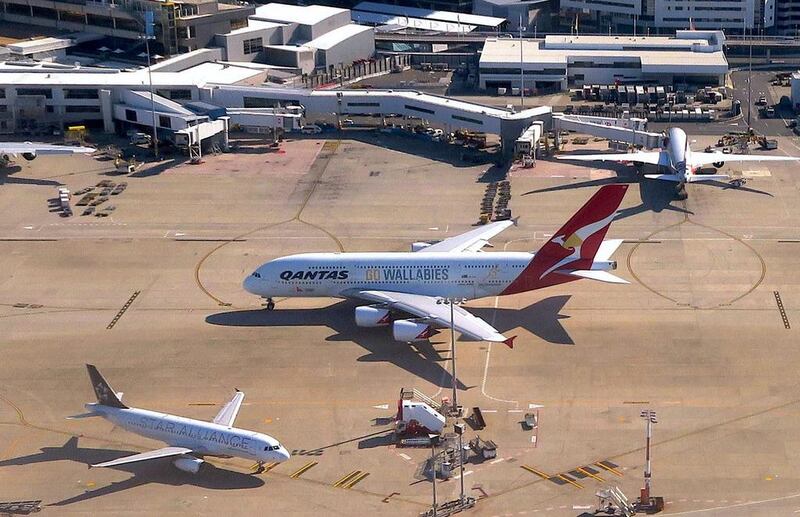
319 274
230 440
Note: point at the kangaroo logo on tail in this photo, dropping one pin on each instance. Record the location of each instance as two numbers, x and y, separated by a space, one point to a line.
574 245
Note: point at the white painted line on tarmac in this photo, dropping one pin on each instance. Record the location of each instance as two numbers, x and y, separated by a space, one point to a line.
576 507
467 473
515 411
488 411
382 406
498 460
405 456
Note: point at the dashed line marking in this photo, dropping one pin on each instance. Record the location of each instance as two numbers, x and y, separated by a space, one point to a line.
782 310
122 310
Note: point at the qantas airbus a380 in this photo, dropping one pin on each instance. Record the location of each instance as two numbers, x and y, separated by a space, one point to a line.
401 284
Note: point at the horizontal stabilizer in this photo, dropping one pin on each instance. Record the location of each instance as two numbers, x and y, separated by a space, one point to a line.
602 276
696 178
607 248
664 177
83 415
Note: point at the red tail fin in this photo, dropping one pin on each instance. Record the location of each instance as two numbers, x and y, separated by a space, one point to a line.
574 245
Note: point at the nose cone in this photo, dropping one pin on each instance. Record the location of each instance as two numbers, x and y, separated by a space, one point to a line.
283 454
250 284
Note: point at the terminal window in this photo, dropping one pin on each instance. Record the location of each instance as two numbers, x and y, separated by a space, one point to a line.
467 119
421 110
46 92
253 46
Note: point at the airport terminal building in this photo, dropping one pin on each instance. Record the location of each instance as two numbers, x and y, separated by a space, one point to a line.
561 62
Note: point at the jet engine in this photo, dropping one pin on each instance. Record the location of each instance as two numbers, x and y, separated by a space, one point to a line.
188 464
718 164
372 316
29 156
410 331
416 246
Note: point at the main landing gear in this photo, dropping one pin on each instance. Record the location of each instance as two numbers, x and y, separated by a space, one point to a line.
270 304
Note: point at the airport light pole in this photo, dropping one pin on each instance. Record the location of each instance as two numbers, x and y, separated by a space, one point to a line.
521 68
434 438
459 428
650 417
750 84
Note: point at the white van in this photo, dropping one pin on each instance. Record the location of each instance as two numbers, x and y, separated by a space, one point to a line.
311 129
140 138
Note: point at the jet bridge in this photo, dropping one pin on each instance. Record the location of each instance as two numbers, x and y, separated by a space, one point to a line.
628 130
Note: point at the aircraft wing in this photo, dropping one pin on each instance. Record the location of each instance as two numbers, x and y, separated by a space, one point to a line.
698 159
166 452
652 157
438 314
30 147
228 413
472 240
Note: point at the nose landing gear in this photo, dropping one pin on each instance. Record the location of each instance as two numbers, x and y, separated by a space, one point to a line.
270 304
259 467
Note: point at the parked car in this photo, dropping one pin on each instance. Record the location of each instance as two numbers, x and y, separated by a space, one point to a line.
311 129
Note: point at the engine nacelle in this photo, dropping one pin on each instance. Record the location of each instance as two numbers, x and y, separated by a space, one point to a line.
190 465
718 164
372 316
410 331
29 156
416 246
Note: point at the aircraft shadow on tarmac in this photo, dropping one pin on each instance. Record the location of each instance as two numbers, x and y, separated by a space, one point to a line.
421 359
7 177
655 195
144 473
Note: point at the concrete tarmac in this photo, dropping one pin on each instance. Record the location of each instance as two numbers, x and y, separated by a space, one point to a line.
698 336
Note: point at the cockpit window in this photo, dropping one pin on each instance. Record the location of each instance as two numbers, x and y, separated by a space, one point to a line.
256 274
272 447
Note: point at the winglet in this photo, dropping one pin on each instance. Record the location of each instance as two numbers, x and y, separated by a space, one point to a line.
510 342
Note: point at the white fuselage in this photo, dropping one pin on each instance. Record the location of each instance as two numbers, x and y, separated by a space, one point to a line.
469 276
678 150
441 274
203 438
